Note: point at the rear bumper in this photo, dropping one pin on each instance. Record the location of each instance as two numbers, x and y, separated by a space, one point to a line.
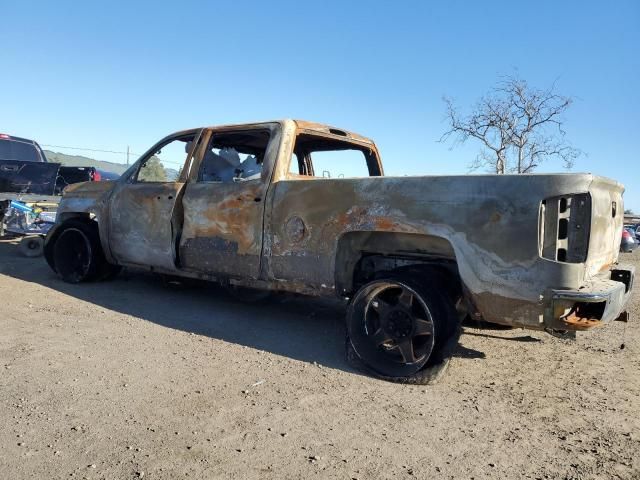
598 302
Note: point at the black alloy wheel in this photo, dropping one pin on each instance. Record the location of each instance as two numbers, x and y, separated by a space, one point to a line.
74 255
74 252
392 325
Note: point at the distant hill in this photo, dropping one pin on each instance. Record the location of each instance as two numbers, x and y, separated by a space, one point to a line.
171 173
80 161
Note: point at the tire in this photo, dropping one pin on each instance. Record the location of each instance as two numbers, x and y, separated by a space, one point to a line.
31 246
402 329
77 255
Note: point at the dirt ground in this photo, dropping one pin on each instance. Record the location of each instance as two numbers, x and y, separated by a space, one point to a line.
134 378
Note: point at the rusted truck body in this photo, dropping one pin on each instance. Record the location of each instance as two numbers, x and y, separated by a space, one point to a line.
534 251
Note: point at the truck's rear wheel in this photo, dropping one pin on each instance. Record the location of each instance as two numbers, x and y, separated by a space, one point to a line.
77 253
397 328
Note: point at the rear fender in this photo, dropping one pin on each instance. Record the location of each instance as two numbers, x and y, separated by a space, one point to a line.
418 248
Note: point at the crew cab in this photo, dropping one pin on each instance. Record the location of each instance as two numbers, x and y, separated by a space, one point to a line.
304 207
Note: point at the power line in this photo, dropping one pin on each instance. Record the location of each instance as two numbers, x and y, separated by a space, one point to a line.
88 149
127 153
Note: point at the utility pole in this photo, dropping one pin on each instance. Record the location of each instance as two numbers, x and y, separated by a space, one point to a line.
127 155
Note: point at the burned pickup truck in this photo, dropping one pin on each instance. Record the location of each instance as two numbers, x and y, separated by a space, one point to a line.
303 207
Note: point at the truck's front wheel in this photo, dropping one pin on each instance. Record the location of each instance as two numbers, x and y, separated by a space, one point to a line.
77 253
398 328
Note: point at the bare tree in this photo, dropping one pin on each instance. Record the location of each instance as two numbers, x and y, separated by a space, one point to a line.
519 127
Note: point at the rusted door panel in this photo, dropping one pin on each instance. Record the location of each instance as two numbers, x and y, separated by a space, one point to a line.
142 220
222 230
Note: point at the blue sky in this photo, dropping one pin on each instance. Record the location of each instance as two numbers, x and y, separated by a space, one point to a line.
107 75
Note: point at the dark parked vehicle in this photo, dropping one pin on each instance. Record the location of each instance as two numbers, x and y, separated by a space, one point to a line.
634 229
628 243
24 169
106 176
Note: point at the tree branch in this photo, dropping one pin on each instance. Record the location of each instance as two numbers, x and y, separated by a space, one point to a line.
512 125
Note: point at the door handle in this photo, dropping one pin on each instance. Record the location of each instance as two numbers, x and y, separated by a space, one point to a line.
9 168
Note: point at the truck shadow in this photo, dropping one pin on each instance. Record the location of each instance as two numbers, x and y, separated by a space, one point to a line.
522 338
301 328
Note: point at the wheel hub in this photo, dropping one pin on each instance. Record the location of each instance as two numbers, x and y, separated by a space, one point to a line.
399 324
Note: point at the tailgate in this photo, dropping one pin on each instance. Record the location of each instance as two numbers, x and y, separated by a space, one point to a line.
71 175
606 224
28 177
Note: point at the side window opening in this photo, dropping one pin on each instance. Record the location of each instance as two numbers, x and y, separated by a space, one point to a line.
300 165
166 164
295 167
234 156
316 156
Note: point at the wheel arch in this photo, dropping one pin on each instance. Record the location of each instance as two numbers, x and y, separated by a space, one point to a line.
360 255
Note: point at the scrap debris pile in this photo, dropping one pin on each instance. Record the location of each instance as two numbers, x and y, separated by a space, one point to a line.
29 219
